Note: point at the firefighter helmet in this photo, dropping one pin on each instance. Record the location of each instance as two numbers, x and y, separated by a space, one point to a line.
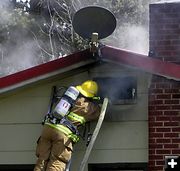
89 88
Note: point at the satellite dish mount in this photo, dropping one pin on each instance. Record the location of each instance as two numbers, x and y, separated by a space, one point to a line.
94 23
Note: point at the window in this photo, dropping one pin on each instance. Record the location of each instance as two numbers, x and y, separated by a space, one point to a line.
120 90
118 167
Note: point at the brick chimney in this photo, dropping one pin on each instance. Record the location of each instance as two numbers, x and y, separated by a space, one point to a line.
164 94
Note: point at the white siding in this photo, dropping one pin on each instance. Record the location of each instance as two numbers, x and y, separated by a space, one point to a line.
21 114
123 136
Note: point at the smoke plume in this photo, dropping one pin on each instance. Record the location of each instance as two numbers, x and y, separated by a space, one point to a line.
127 35
18 49
131 37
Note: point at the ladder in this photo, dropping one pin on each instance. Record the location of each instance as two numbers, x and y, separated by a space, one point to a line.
93 138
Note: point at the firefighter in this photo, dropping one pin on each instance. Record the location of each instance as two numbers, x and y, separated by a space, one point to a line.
55 145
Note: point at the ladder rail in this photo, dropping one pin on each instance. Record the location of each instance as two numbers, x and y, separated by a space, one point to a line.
94 136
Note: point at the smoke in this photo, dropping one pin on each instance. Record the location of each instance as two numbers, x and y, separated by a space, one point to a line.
131 33
18 49
4 3
136 39
128 35
131 37
23 57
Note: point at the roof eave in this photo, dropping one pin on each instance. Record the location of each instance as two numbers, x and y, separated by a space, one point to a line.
141 62
45 71
45 76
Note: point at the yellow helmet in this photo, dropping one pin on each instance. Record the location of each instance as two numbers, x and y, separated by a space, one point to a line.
89 88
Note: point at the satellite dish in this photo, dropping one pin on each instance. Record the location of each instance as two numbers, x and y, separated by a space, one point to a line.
94 19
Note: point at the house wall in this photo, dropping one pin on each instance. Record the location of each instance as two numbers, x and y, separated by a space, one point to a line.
21 114
122 138
124 134
164 94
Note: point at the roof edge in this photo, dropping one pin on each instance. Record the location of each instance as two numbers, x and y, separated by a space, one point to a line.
43 77
43 70
142 62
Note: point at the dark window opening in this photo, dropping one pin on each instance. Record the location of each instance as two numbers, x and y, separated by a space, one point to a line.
118 167
17 167
120 90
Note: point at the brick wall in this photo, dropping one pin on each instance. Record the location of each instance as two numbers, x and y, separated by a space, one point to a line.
164 94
